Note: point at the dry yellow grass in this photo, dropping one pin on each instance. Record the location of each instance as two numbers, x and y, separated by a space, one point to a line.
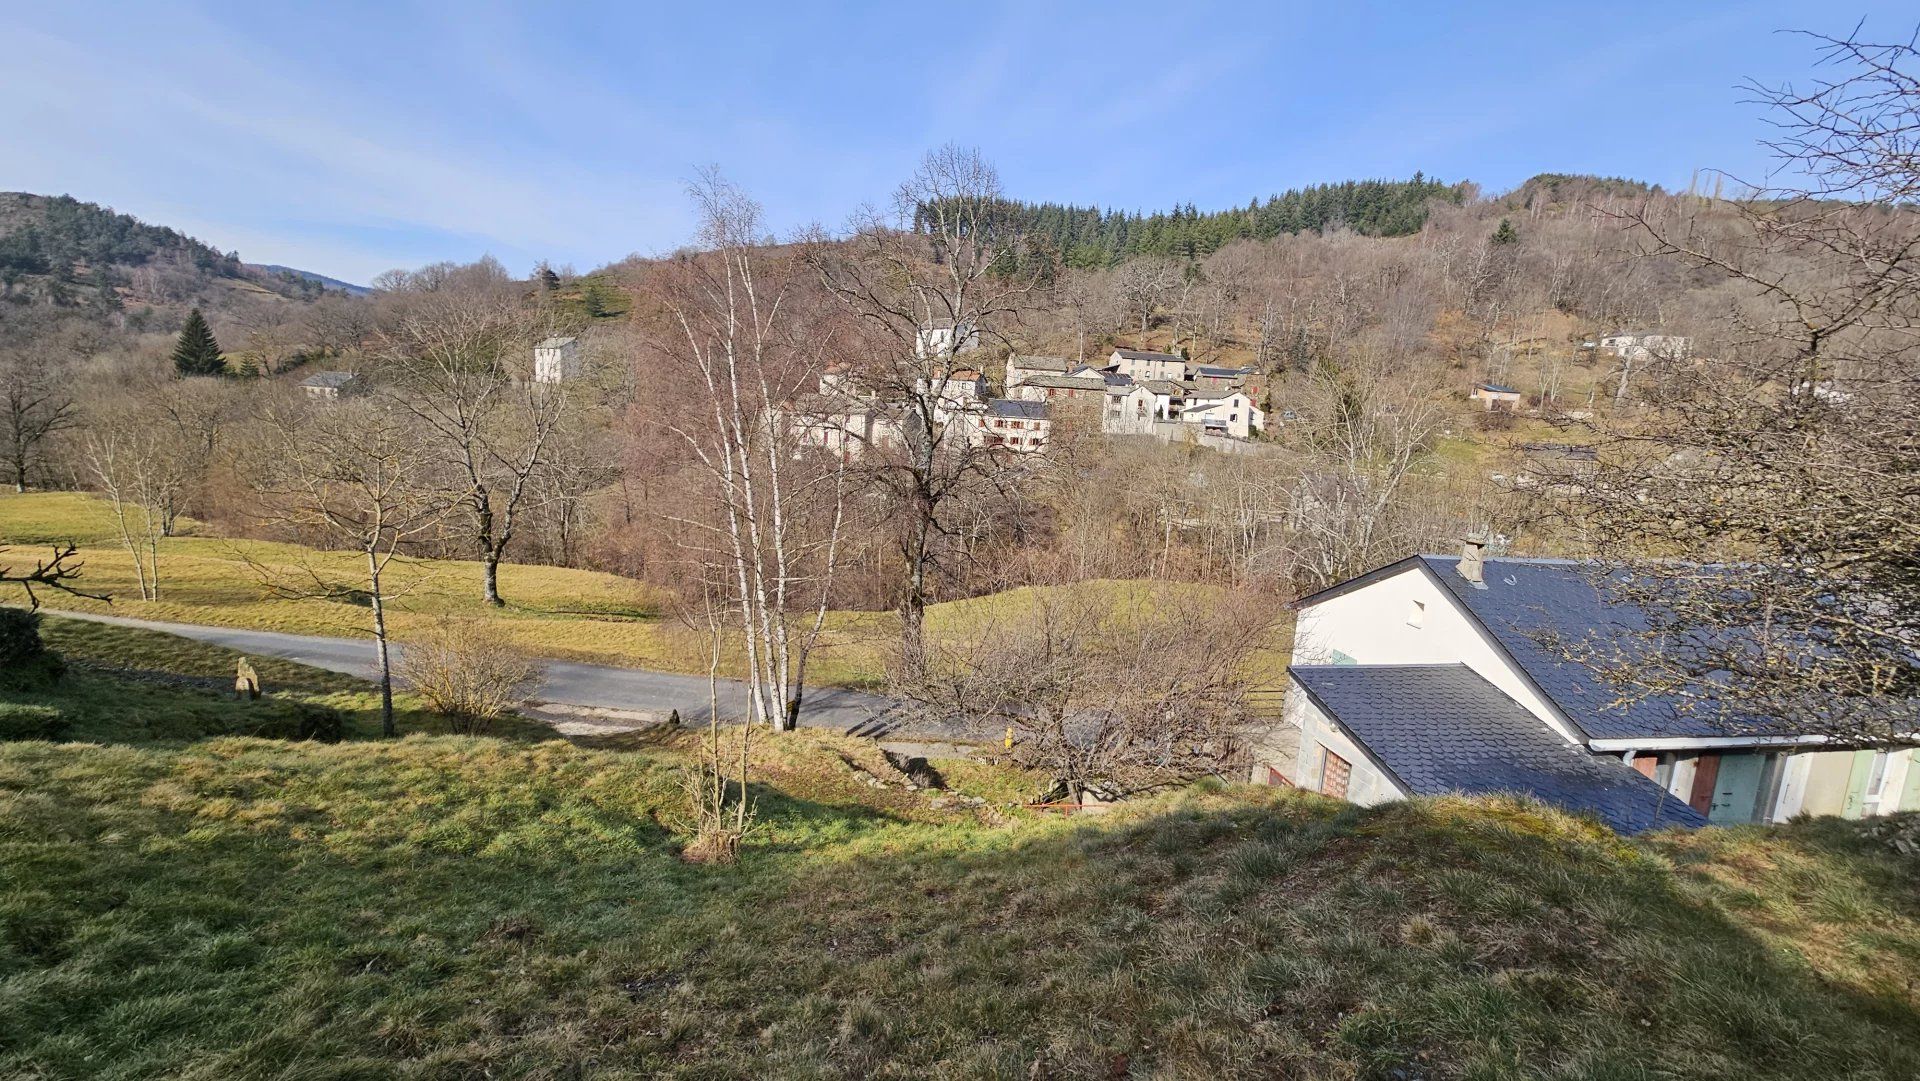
551 611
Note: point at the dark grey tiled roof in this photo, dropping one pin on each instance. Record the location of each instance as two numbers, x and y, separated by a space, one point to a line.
1064 382
1543 610
1496 388
1441 728
1141 354
328 379
1039 363
1018 410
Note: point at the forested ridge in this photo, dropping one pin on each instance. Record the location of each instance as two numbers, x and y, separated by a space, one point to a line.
1090 237
41 234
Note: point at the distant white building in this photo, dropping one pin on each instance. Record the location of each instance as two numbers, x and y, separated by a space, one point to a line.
556 360
1232 414
948 340
329 386
1640 345
961 392
1496 396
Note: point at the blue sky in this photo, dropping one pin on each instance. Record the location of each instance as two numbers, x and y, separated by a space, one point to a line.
350 138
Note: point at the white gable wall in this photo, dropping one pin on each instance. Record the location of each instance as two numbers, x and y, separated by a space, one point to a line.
1318 734
1371 625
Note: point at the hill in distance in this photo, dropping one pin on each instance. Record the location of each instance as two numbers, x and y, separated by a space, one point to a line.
69 253
321 280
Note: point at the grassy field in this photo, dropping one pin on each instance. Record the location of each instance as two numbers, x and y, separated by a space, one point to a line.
552 611
514 906
444 907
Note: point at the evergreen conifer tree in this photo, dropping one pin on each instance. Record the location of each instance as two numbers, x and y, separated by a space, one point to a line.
197 353
1506 234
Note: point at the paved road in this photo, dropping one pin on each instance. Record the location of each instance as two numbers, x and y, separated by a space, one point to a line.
576 690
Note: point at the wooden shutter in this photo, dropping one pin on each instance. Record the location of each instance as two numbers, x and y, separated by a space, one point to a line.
1335 772
1706 772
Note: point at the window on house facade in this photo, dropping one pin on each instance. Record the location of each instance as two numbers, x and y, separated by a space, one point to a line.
1342 658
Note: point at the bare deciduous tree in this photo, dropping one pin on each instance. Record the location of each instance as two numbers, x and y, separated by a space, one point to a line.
742 341
34 405
946 266
459 358
1111 695
362 476
1786 465
132 461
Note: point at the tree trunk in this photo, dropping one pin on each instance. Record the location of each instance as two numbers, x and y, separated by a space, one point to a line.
490 588
387 728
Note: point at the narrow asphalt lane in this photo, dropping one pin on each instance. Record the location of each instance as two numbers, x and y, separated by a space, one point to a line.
568 683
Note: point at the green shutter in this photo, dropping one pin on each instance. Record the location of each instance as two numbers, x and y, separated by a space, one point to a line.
1737 789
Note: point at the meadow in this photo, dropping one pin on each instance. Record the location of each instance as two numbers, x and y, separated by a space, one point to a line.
187 891
553 612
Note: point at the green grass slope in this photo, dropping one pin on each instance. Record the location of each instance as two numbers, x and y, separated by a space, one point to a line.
451 907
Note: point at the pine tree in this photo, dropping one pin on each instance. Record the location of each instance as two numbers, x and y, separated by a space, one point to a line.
197 353
1506 234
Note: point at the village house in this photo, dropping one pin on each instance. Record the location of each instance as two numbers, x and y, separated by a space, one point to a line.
1209 380
1232 414
944 339
840 422
1141 366
329 386
1021 369
1495 396
1441 674
1015 424
556 360
961 392
1638 345
1088 385
1130 409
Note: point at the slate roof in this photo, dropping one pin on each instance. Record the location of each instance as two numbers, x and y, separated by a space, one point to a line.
1541 609
1495 388
1040 364
1141 354
335 380
1439 728
1016 410
1064 382
555 343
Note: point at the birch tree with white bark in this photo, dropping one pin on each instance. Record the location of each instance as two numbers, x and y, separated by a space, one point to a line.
742 346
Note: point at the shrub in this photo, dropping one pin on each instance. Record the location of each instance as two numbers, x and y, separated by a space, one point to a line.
467 673
26 664
317 722
20 721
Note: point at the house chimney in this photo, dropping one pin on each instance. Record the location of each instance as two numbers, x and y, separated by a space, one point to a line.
1472 565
